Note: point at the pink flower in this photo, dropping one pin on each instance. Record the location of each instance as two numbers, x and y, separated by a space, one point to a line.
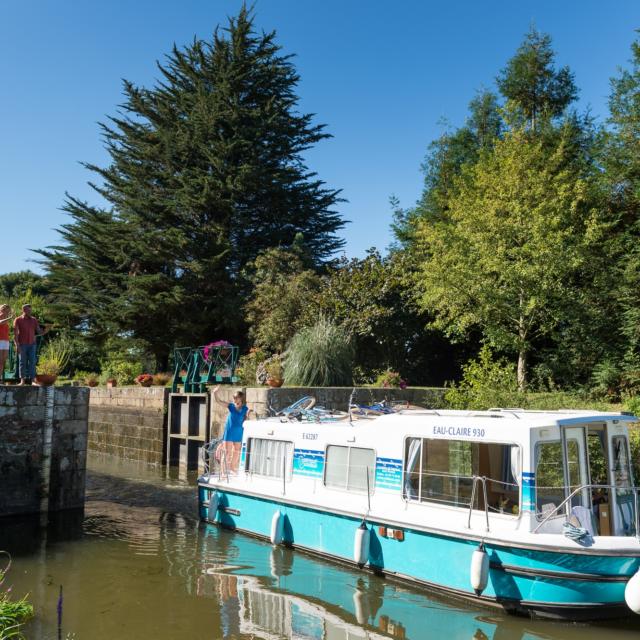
217 344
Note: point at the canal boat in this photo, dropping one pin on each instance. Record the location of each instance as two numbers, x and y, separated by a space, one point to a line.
534 512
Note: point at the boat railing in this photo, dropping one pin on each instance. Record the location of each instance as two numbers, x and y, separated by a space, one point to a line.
416 489
590 488
214 459
482 480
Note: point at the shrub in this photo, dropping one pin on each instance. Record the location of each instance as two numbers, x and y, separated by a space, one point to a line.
630 383
486 383
605 380
247 367
320 356
123 371
162 379
632 405
87 377
274 366
390 380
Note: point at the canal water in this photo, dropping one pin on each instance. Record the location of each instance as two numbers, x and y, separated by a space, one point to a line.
137 564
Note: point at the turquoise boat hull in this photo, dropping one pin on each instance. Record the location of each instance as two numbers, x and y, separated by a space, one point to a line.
523 580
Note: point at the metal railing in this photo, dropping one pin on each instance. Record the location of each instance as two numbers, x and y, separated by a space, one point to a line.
211 463
590 487
476 480
196 367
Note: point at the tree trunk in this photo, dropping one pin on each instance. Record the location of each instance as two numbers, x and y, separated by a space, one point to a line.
522 346
522 369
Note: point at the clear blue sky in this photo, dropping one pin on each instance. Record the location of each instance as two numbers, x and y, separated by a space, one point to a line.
382 75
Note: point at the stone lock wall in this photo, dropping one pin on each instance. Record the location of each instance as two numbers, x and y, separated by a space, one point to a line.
129 422
43 448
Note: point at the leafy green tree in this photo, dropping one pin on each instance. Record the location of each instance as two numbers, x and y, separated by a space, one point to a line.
621 158
443 163
20 284
506 259
532 85
206 173
281 302
373 299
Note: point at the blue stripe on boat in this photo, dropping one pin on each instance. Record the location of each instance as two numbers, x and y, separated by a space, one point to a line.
434 558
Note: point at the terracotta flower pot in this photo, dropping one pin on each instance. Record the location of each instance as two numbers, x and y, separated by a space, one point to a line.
46 380
275 382
112 382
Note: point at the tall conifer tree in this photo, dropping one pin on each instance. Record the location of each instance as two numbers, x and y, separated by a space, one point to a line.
206 172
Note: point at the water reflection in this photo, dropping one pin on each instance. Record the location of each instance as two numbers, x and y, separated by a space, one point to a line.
279 593
138 564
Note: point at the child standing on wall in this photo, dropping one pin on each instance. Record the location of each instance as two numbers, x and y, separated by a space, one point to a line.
233 429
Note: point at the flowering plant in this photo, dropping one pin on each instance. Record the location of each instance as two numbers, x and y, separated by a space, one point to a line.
144 380
391 379
248 366
217 344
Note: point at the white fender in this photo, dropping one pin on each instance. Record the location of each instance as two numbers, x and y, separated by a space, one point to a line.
277 527
212 511
479 572
361 545
632 593
360 606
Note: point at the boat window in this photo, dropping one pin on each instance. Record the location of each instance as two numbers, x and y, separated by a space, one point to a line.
623 481
549 476
621 467
442 471
597 457
346 468
266 457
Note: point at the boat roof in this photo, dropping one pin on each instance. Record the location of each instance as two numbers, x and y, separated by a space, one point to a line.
512 417
523 417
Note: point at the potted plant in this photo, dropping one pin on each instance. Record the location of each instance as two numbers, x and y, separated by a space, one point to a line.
144 380
91 380
161 379
390 380
275 371
47 373
108 376
52 360
222 347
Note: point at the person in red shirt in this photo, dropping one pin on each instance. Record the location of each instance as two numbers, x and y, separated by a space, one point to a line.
25 330
5 318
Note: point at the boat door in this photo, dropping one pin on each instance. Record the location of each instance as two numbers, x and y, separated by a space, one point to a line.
623 498
576 469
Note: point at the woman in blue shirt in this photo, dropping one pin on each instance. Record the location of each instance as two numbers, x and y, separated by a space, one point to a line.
233 429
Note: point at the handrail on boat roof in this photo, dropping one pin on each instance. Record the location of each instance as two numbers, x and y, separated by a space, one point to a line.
419 411
512 410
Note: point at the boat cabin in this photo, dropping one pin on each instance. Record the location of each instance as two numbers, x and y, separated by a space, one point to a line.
504 468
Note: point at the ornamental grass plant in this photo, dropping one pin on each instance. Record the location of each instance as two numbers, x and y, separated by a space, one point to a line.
320 356
13 613
54 357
